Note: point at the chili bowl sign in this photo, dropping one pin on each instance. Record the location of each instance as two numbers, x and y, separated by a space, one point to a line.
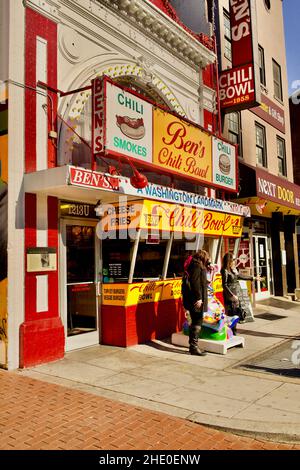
128 121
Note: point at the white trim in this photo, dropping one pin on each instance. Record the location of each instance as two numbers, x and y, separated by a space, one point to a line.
15 180
42 293
42 220
41 106
86 339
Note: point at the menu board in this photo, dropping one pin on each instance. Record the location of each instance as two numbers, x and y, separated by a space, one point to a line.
245 301
115 269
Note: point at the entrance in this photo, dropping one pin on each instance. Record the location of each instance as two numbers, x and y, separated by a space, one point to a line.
262 255
80 296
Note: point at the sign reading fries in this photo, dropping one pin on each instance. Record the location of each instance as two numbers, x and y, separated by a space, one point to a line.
170 218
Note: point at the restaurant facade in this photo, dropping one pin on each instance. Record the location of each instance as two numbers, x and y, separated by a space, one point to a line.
113 171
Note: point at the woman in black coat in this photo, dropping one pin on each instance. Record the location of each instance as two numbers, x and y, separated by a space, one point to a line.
231 287
196 301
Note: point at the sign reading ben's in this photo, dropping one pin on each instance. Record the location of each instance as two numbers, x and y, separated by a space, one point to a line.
239 86
127 126
181 147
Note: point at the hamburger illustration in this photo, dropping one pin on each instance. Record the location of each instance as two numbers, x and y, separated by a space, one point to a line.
131 127
224 164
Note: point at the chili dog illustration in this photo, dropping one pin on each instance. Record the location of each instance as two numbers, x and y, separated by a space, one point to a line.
131 127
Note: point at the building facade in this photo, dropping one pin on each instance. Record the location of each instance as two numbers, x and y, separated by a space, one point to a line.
266 181
66 69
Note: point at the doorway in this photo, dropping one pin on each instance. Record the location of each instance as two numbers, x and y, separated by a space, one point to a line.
80 283
262 259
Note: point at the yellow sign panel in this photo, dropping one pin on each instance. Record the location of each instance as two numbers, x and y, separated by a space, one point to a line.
139 293
161 216
180 147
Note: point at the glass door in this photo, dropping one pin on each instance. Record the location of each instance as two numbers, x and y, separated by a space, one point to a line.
262 267
80 260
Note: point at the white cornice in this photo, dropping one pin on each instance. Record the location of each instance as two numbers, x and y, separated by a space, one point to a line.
141 14
144 15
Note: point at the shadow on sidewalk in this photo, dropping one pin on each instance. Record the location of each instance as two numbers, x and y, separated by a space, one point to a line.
268 335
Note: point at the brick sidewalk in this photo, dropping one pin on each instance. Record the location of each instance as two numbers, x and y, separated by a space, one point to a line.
39 415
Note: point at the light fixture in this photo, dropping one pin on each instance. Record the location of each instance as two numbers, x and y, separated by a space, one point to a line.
138 180
260 206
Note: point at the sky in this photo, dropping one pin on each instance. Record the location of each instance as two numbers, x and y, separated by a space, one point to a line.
291 10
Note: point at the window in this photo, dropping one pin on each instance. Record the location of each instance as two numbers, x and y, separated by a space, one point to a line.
234 130
277 80
227 36
262 70
281 156
261 151
267 4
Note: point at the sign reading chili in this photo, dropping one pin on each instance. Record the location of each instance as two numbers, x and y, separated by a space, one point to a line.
126 125
160 216
239 85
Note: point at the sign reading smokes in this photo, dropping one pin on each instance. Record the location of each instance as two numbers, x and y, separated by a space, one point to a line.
238 85
126 125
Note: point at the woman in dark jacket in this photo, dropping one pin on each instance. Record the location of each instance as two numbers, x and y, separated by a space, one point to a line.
231 287
197 300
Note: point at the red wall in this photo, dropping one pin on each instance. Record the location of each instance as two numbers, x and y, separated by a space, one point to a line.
127 326
42 333
37 25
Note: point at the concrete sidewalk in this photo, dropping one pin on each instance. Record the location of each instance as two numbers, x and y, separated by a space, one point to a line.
208 390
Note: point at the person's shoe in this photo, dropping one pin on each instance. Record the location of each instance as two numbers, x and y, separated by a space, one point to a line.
197 352
242 321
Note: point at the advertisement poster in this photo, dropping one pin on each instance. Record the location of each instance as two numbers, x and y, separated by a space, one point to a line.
128 124
180 147
224 164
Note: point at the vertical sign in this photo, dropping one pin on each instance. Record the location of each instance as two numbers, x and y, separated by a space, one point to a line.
239 86
97 118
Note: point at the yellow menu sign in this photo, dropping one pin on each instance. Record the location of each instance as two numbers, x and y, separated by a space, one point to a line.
161 216
180 147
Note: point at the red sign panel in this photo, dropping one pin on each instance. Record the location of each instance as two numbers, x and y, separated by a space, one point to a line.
92 179
241 32
271 113
277 189
237 87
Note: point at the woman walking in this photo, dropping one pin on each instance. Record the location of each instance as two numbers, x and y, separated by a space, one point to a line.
231 287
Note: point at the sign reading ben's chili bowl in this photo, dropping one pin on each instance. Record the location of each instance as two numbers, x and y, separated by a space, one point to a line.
137 130
156 216
181 147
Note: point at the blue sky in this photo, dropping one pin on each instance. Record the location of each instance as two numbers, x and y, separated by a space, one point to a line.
291 10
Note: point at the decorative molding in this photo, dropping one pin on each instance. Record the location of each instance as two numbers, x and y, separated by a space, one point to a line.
69 44
49 8
164 30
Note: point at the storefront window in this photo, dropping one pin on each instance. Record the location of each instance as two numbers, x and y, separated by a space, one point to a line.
177 258
116 260
150 260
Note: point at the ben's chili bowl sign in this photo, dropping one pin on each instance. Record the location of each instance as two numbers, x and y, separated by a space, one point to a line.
180 147
150 215
237 87
128 121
